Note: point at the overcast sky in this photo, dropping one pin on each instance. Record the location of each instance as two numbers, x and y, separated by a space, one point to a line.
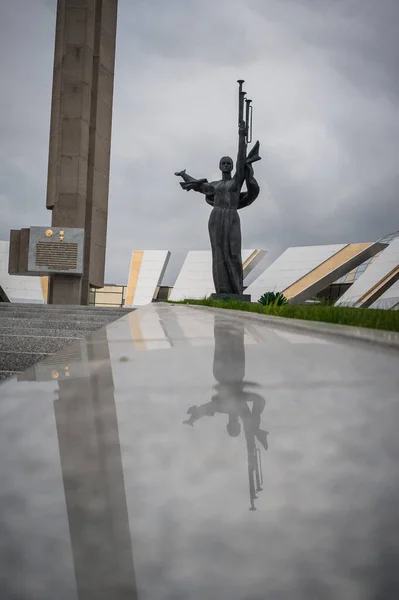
323 75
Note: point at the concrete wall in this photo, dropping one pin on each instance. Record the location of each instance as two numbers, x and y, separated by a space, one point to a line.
195 278
19 288
381 275
290 266
147 269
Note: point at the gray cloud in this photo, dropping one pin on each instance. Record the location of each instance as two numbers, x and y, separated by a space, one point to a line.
324 82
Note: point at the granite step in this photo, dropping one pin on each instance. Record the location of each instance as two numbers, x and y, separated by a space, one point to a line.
44 323
39 332
33 343
5 308
63 308
7 374
19 361
59 315
89 318
31 332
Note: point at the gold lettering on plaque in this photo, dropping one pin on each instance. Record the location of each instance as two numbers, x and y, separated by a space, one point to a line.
57 255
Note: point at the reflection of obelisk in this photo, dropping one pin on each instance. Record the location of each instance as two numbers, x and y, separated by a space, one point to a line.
94 484
80 136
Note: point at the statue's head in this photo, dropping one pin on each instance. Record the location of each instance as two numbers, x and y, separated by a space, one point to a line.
233 428
226 164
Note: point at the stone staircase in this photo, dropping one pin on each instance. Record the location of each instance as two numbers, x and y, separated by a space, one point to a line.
30 332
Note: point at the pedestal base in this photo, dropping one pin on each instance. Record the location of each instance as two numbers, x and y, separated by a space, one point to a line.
237 297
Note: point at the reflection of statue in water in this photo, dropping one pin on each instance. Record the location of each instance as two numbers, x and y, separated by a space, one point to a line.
233 397
226 198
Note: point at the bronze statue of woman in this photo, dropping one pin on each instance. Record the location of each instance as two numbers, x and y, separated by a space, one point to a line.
226 197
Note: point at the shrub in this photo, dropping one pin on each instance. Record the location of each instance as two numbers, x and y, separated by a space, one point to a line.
273 299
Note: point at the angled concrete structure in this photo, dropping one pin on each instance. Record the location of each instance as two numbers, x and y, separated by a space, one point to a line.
301 272
252 260
389 299
376 280
3 296
195 278
354 275
289 267
20 288
147 269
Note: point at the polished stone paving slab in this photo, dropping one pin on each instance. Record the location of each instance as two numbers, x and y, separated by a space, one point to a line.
202 455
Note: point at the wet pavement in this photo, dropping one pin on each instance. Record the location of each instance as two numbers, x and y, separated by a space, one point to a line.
188 454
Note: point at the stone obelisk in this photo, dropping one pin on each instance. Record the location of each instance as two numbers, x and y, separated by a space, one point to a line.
80 136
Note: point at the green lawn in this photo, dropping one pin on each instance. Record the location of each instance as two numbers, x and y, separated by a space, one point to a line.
359 317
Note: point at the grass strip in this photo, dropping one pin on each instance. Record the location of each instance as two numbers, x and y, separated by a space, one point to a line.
387 320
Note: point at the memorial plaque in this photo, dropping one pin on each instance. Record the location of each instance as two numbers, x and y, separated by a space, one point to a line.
58 250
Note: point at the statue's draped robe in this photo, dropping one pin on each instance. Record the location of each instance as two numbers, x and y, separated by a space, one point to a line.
225 229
